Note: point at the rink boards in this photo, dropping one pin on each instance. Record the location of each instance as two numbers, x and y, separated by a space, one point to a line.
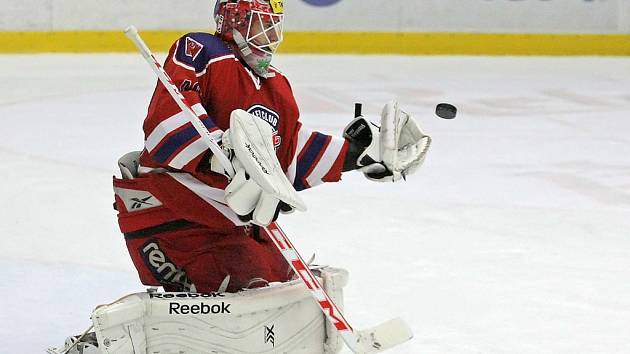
474 27
340 42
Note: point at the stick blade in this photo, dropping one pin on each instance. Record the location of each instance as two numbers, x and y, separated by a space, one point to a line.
382 337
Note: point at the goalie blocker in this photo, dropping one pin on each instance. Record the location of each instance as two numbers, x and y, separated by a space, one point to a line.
281 318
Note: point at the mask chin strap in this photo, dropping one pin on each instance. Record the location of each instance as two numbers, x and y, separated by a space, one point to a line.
260 64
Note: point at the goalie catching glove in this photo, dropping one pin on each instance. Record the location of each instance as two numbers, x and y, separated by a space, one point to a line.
389 153
259 190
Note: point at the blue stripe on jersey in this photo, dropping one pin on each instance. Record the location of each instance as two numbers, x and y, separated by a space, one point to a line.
209 123
305 163
173 143
196 56
176 141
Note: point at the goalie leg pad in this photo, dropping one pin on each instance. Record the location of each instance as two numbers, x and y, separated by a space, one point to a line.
282 318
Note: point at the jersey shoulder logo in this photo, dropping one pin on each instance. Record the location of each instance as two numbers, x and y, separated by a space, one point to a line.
193 48
196 50
269 116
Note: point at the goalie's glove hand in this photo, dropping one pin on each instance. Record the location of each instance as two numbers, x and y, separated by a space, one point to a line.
389 153
250 202
243 195
259 190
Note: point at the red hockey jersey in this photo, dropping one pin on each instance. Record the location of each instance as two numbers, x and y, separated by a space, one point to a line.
215 82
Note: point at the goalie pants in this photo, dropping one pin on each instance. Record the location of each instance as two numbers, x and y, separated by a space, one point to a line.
194 255
170 246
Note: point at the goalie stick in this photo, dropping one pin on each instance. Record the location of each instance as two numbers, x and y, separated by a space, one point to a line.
372 340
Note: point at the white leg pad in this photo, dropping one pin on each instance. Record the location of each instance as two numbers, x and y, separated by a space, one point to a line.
119 327
281 318
334 279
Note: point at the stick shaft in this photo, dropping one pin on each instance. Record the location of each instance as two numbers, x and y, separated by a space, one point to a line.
325 303
358 107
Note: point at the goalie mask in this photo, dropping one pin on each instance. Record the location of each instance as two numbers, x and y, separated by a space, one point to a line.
255 26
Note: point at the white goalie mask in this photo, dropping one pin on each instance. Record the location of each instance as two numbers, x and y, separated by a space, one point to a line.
255 26
265 31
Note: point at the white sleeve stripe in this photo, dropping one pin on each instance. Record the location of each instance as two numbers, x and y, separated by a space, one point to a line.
213 196
326 162
303 136
168 125
212 61
142 170
163 129
191 151
199 110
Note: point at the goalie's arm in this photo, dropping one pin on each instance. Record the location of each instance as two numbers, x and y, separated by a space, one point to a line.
315 158
170 139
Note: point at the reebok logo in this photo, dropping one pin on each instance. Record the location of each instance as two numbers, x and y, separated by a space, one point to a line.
185 295
136 200
165 271
138 203
175 308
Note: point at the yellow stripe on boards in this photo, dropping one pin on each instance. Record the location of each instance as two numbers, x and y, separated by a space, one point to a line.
339 43
82 41
457 43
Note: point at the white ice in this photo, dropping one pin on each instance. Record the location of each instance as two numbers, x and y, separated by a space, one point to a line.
512 238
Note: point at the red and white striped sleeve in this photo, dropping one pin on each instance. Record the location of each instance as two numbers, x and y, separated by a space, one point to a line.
175 143
317 158
171 141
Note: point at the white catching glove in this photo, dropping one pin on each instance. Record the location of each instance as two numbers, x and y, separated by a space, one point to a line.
259 190
390 153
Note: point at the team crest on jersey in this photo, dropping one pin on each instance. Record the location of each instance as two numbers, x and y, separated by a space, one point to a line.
193 48
269 116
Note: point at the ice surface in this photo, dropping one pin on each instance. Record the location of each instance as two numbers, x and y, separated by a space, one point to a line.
513 238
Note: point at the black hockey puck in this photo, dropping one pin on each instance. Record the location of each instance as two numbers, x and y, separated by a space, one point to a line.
446 111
